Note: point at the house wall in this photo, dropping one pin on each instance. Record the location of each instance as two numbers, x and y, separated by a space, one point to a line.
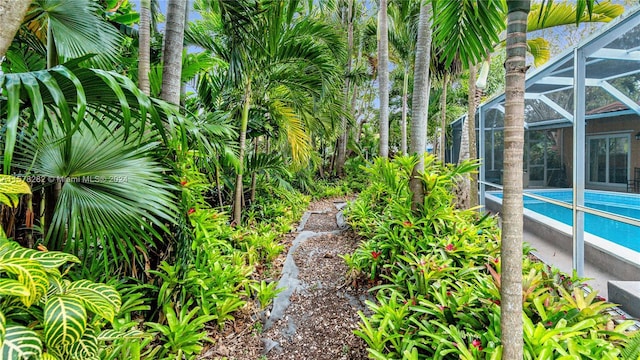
624 124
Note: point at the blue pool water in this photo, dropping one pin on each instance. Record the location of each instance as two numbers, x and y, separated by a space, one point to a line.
618 203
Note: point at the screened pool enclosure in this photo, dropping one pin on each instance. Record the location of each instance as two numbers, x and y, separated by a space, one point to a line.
582 132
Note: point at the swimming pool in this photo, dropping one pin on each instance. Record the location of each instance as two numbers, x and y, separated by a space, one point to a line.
618 203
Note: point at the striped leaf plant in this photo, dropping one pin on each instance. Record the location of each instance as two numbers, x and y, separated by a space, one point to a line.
40 309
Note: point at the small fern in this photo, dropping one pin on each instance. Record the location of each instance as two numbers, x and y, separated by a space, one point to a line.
632 349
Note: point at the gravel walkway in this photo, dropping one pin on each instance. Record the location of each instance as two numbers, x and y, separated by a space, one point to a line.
315 316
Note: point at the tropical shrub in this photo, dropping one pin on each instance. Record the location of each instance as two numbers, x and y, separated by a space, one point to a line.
436 272
44 313
218 267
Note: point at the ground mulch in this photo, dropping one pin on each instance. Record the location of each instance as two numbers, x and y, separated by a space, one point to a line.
323 313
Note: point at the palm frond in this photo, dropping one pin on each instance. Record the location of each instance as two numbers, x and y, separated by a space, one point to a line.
540 50
469 28
63 96
565 13
113 196
78 30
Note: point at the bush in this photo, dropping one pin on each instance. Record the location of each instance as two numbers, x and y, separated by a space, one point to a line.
437 271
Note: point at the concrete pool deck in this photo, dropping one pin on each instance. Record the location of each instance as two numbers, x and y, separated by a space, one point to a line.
551 254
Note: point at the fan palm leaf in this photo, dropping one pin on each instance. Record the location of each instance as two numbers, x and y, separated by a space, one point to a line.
77 28
113 196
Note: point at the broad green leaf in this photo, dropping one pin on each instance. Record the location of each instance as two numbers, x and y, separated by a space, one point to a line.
10 200
85 348
48 356
48 259
13 287
100 299
126 19
30 274
13 185
111 334
30 84
12 85
65 320
20 343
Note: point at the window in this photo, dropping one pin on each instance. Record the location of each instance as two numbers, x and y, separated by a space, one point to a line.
608 159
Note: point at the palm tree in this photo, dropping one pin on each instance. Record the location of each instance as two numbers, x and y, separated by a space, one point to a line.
383 77
144 46
420 103
280 77
172 54
402 38
344 136
512 219
11 14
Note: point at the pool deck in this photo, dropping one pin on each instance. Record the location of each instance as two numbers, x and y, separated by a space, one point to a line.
553 255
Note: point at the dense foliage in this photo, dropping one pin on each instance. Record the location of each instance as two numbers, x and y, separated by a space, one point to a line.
437 279
132 225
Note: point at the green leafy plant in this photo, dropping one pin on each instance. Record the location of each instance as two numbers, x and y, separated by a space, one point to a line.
183 334
266 292
438 270
39 307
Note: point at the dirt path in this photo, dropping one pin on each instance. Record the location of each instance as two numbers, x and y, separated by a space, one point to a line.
322 314
315 316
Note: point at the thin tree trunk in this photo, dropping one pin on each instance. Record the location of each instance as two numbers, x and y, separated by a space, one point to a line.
512 223
383 77
52 191
144 47
473 153
219 189
463 183
11 14
252 198
405 106
420 103
341 148
238 192
173 42
52 52
443 117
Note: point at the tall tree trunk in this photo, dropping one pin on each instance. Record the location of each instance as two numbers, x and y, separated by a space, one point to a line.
512 223
473 152
420 103
405 106
467 195
11 14
443 117
183 84
144 46
52 191
462 193
238 192
341 149
383 77
172 56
